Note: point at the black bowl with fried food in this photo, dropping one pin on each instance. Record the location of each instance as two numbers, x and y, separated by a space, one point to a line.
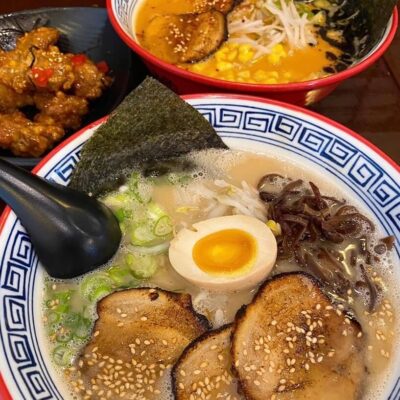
83 30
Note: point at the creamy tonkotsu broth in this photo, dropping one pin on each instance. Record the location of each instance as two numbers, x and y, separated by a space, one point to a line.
165 205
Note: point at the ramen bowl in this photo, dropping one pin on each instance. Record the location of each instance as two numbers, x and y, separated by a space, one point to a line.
367 176
122 16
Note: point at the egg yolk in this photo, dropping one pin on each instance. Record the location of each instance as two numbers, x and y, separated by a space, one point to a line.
226 252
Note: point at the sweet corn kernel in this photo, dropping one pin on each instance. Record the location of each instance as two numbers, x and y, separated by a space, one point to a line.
244 74
271 81
220 55
224 66
275 227
277 53
260 75
273 74
198 67
232 55
245 53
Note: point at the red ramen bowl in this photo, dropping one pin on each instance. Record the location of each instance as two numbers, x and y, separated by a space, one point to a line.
121 14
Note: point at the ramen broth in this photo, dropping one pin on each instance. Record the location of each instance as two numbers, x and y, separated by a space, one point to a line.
176 198
242 60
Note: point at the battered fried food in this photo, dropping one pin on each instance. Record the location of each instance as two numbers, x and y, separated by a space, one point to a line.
51 70
59 85
10 100
89 82
61 109
26 138
41 38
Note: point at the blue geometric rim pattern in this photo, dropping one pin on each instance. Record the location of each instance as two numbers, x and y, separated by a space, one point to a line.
18 262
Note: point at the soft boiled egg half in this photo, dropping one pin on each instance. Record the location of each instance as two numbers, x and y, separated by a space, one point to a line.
230 253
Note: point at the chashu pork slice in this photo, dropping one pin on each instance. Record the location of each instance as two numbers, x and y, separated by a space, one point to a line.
291 342
204 369
185 38
137 338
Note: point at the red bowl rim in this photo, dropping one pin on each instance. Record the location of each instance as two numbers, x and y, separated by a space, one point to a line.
4 393
251 87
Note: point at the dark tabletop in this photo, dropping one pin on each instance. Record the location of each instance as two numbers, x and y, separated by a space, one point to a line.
368 103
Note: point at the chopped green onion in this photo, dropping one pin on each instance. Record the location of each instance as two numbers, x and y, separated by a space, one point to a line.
61 308
95 286
72 320
153 250
120 214
64 335
142 235
53 317
118 200
62 356
163 226
154 211
142 266
122 276
138 188
82 330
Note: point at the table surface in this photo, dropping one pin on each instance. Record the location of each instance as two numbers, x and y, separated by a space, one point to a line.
368 103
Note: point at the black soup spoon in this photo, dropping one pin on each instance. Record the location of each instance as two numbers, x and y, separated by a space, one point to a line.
72 233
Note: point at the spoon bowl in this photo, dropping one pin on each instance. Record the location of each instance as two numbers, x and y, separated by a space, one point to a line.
80 232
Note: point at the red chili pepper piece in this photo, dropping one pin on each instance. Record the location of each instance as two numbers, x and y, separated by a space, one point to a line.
103 67
41 76
79 59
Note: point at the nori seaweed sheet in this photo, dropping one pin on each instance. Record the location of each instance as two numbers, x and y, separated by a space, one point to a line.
379 12
152 124
362 23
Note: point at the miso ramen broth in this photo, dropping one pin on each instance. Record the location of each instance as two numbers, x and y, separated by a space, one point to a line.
223 183
263 41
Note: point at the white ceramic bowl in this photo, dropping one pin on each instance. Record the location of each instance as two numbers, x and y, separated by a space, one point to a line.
342 157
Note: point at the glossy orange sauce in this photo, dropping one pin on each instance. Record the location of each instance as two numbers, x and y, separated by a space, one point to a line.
283 65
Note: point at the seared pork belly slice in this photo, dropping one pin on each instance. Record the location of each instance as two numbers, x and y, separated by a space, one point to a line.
291 342
224 6
139 335
204 369
185 38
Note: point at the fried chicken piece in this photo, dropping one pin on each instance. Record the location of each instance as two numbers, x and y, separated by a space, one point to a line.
13 70
52 70
89 80
41 38
60 109
15 64
26 138
11 100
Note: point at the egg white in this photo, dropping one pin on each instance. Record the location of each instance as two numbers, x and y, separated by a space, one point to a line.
181 253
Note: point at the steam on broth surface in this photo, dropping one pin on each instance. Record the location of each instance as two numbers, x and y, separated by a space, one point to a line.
153 210
260 41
